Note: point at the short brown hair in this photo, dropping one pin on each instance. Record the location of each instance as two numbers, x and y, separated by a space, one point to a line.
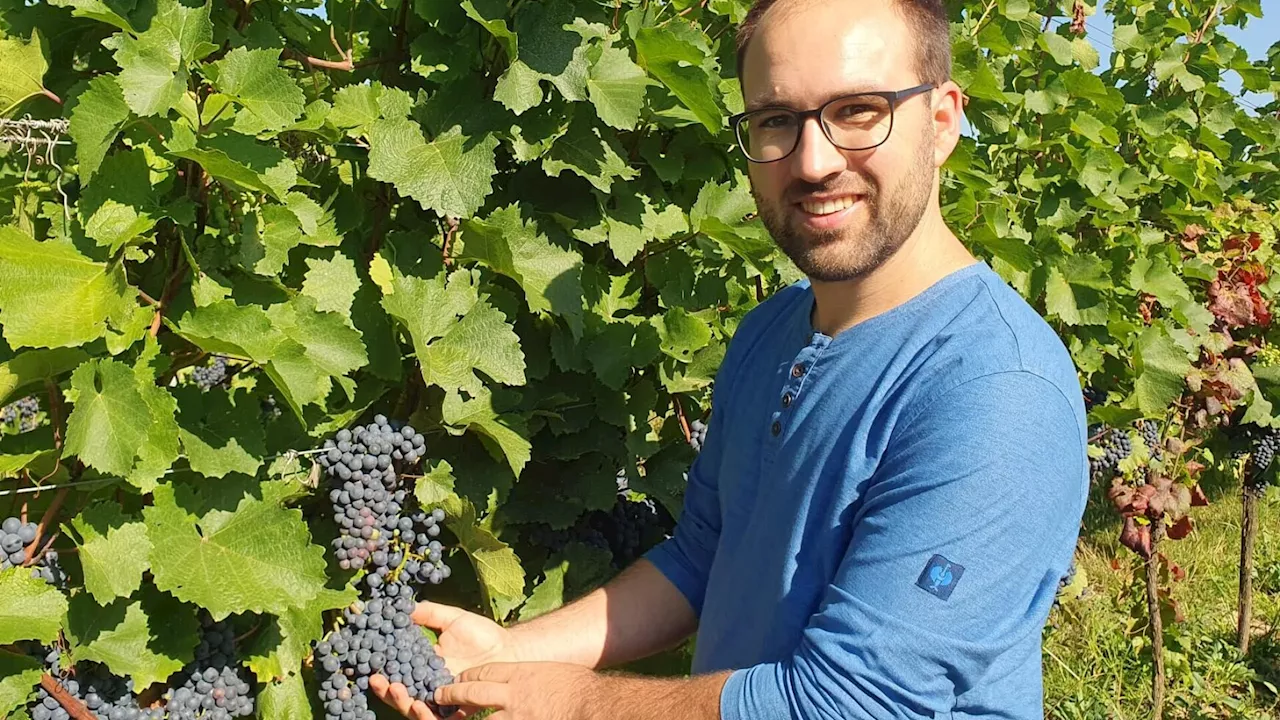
927 19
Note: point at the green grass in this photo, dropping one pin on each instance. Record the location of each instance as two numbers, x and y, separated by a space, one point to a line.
1097 656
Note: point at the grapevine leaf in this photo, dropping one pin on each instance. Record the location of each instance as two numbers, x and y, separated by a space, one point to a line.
547 595
1161 367
265 244
30 608
585 152
497 567
23 71
220 432
35 366
449 350
633 223
356 107
282 646
238 160
111 418
284 699
147 639
112 12
121 206
98 117
503 435
258 558
682 334
52 296
255 79
113 551
673 54
153 64
19 675
519 88
452 174
545 51
491 14
435 485
550 275
333 284
25 451
616 87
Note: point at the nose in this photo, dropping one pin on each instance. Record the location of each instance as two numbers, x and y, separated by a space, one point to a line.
815 157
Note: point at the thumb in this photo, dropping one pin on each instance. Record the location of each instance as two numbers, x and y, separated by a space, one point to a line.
435 615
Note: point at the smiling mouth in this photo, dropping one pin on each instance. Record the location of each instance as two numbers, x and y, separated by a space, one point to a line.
829 207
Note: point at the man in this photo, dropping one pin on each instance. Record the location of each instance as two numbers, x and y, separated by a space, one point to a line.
895 471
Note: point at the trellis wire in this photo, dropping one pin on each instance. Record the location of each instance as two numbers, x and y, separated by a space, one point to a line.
38 138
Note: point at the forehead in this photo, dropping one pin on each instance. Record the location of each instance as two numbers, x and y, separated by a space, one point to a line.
807 51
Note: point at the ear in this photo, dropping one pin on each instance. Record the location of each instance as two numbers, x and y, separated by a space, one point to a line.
948 115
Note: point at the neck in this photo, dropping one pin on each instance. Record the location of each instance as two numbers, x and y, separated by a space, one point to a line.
931 253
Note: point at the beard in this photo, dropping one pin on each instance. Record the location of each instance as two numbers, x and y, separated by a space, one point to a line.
856 250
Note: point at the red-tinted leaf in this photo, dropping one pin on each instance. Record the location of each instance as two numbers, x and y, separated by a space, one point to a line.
1136 537
1177 531
1198 498
1231 302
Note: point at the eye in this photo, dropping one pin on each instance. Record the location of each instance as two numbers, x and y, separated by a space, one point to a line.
856 111
772 121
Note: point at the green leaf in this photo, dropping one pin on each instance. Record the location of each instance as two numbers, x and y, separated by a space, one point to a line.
492 14
357 107
682 334
113 550
497 567
34 367
255 79
220 432
111 419
450 350
505 436
121 206
52 296
160 450
284 700
278 651
673 55
153 64
616 86
1161 367
19 675
550 275
266 243
238 160
1085 53
333 284
112 12
546 51
22 69
1058 47
257 558
30 609
147 639
548 595
584 151
452 175
98 117
435 485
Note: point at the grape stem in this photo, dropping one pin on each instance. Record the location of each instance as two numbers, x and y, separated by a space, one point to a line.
684 423
48 517
74 707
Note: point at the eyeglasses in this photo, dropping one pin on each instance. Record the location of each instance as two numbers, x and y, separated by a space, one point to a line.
854 122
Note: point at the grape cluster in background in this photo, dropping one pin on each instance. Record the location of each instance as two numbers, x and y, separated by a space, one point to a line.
21 414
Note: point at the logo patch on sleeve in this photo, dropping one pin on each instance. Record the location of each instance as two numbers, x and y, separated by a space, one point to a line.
940 577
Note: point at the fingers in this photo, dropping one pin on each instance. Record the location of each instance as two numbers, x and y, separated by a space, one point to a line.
420 711
435 615
491 672
474 694
395 695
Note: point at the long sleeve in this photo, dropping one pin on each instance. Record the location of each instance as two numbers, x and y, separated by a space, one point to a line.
970 520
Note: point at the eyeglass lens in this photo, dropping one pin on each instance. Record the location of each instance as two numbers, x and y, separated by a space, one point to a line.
853 123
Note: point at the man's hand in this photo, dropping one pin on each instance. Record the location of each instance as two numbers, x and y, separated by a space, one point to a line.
525 691
465 641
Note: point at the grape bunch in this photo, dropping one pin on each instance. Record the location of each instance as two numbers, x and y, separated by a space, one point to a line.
697 435
556 540
1092 396
378 636
106 696
211 688
1261 455
210 376
15 536
1116 446
1150 430
634 526
22 413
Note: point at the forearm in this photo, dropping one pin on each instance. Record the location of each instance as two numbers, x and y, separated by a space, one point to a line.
637 614
638 698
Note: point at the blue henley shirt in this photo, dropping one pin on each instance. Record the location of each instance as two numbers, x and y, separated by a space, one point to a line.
877 523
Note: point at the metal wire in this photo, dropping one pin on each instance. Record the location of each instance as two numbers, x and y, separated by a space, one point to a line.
23 133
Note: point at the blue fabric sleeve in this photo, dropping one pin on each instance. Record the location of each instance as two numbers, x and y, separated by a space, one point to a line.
990 474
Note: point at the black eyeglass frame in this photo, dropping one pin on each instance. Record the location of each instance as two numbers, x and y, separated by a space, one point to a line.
893 97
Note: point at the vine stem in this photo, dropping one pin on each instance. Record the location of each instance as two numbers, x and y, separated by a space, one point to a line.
684 422
49 94
75 707
1248 538
49 515
1157 622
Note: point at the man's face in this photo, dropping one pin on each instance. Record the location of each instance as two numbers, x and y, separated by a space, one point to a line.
840 214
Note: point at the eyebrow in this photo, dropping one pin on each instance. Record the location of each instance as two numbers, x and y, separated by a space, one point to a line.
773 101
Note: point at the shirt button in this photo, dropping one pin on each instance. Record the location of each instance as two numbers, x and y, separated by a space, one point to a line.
776 429
786 400
797 370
